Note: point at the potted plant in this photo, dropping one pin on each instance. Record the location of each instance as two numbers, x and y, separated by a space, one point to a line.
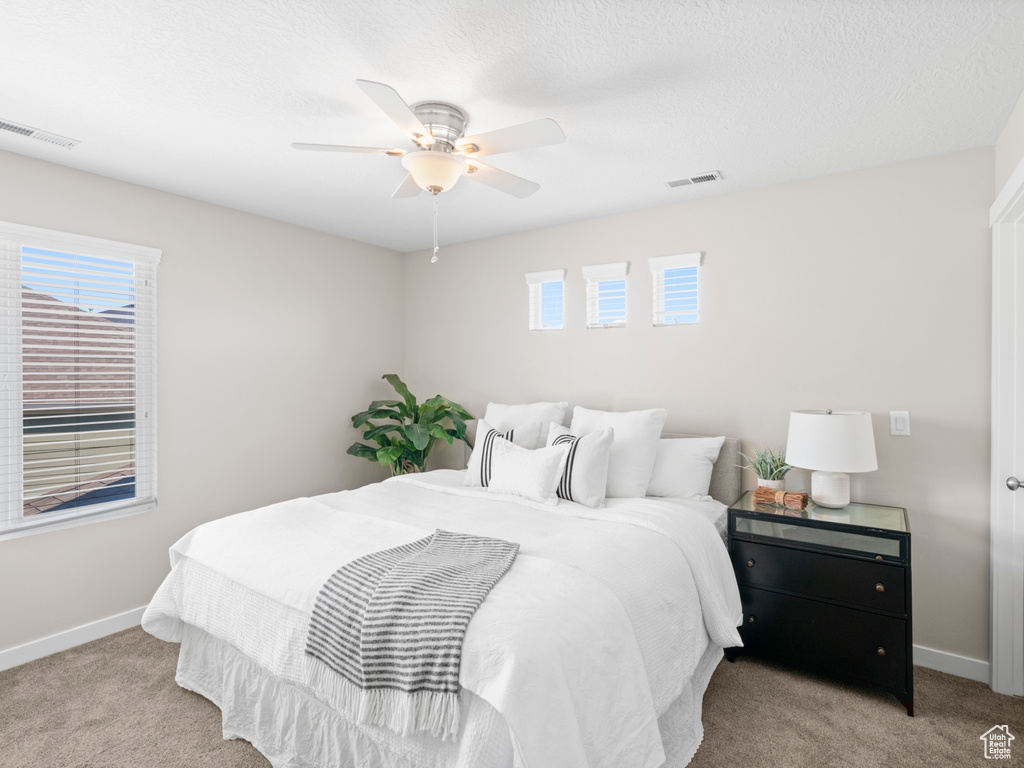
770 466
409 429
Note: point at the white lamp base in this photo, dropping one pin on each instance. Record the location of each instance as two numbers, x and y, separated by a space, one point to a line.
830 489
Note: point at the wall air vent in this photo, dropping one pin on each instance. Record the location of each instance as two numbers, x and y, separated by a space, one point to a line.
699 178
35 133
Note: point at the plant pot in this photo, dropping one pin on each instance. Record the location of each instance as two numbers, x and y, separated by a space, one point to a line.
404 468
775 485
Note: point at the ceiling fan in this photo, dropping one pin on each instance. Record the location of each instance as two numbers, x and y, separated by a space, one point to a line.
443 153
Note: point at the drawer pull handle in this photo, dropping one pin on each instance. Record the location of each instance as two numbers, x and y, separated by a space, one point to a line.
878 557
881 651
879 587
750 563
750 620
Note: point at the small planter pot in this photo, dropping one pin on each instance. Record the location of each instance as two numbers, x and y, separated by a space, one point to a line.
775 485
404 468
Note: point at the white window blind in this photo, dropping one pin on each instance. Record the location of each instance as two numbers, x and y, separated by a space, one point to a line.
78 367
675 288
606 294
547 306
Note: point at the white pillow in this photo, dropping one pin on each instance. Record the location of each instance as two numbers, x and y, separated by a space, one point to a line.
585 477
503 417
631 460
682 468
531 474
479 468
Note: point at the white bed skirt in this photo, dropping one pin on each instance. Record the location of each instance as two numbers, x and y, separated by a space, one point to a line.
294 730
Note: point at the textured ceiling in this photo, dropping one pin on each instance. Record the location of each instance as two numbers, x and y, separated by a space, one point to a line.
203 97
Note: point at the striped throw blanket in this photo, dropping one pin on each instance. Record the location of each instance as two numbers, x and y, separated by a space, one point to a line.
387 629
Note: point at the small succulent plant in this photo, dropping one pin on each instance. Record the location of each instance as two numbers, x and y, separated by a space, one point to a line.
769 464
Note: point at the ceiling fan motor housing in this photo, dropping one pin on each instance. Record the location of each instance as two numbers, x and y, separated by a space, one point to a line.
446 122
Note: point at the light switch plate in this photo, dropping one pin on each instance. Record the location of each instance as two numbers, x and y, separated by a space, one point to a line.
899 423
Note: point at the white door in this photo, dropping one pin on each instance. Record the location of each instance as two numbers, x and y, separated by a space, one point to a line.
1007 504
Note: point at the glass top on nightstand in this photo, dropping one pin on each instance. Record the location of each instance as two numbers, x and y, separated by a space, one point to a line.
853 514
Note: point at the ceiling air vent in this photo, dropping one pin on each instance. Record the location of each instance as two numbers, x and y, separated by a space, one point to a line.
699 178
35 133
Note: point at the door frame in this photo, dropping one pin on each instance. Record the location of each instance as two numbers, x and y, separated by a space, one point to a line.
1006 603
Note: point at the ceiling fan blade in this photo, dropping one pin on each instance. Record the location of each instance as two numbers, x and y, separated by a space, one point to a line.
408 188
340 148
394 106
501 180
536 133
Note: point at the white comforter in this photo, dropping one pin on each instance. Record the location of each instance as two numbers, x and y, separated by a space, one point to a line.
580 647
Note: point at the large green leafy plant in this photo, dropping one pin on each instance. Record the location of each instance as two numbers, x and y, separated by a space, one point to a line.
410 429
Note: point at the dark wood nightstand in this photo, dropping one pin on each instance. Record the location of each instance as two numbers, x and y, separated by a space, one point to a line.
827 590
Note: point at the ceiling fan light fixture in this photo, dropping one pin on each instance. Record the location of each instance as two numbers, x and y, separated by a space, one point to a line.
434 171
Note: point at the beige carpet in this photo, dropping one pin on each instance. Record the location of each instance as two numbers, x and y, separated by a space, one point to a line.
114 704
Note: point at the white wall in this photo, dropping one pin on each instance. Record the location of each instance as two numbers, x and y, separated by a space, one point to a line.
1010 145
865 290
264 352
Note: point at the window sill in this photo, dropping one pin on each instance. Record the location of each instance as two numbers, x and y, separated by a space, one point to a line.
42 523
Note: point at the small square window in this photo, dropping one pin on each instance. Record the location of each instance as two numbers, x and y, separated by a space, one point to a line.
547 306
675 288
606 295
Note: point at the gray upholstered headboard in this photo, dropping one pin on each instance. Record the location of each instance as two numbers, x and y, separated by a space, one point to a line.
726 480
726 476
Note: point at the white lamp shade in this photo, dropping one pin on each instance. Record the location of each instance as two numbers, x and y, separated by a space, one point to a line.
837 441
434 169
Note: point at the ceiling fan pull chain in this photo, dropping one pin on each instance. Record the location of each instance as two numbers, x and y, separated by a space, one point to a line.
433 259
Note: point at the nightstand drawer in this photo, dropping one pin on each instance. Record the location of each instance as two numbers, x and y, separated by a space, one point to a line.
848 643
857 582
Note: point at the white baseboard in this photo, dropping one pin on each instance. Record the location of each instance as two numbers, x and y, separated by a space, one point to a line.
21 654
952 664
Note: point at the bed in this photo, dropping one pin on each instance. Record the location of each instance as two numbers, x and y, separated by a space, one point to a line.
595 649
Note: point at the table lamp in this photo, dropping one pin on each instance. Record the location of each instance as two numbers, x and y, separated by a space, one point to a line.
832 443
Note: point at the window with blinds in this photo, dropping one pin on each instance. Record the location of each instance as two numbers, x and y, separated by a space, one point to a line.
606 295
547 307
675 288
77 360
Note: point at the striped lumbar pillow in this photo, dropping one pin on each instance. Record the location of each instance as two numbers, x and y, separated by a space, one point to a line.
533 474
480 461
586 468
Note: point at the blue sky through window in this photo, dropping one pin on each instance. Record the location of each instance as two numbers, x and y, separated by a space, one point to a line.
611 302
91 283
551 305
680 295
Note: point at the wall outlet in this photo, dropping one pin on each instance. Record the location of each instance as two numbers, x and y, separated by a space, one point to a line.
899 423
